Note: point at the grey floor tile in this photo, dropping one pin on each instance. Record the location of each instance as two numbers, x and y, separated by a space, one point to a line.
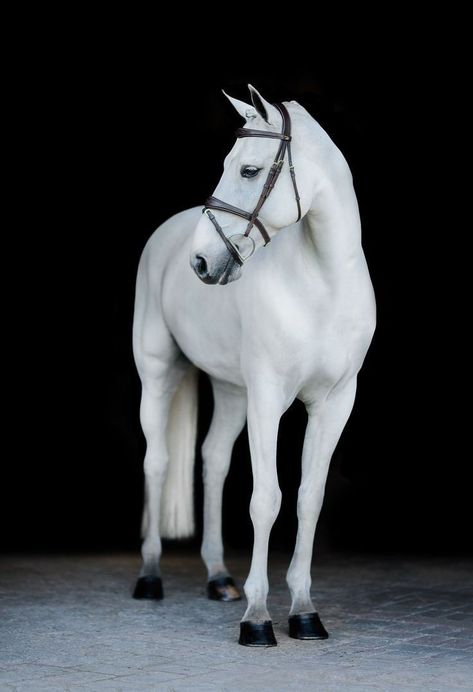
395 624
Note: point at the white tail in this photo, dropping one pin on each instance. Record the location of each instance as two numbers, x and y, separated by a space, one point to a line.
177 497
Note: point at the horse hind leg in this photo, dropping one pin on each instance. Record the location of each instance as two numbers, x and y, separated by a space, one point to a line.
227 422
160 381
168 415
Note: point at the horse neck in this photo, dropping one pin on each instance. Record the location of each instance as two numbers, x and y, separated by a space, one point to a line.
332 228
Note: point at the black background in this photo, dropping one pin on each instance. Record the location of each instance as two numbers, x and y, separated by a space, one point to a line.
121 139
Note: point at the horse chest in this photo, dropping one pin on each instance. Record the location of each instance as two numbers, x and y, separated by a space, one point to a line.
307 332
300 331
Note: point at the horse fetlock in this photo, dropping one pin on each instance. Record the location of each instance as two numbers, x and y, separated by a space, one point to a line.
301 601
256 591
151 550
213 560
299 585
217 571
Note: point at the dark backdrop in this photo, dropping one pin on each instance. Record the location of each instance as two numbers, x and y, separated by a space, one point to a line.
117 145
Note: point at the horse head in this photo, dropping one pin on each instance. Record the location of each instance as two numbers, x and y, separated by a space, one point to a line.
230 231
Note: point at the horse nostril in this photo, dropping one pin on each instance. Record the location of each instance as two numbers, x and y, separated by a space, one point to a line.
200 266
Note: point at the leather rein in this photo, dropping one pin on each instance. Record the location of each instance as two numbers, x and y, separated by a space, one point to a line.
252 217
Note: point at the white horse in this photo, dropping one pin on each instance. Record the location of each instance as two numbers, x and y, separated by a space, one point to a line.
295 321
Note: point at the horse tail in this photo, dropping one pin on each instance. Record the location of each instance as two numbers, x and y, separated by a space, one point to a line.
177 497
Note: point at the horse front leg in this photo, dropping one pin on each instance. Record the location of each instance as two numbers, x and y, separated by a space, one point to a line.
324 427
227 422
265 407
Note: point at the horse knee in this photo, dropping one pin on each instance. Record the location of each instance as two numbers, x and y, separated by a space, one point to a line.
265 504
155 467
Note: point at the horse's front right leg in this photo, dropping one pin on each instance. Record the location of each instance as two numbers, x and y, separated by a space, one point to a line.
265 407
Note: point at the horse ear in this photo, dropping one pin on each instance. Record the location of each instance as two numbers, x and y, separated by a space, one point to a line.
244 109
265 109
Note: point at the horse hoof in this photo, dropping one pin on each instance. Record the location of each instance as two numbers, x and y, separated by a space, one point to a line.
149 587
307 626
223 589
257 634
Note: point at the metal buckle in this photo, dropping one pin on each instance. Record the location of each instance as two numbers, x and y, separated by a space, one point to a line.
246 237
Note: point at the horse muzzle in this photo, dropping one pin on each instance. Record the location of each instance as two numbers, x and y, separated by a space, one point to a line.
222 272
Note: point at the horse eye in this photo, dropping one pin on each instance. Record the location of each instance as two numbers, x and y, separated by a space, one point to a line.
249 171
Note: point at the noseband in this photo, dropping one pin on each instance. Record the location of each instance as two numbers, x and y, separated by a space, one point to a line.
252 217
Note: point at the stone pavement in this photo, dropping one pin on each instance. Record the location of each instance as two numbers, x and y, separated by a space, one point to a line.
395 624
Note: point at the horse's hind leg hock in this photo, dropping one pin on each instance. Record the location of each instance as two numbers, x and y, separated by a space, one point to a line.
227 422
156 399
264 412
325 424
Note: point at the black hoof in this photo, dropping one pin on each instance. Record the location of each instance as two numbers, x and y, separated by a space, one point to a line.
307 626
149 587
223 589
257 634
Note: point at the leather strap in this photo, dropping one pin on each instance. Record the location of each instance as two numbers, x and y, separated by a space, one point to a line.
246 132
218 205
252 217
284 112
231 249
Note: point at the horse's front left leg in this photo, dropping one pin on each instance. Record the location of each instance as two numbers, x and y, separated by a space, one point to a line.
265 407
227 422
324 427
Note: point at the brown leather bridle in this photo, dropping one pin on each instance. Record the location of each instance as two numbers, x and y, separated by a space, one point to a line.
252 217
